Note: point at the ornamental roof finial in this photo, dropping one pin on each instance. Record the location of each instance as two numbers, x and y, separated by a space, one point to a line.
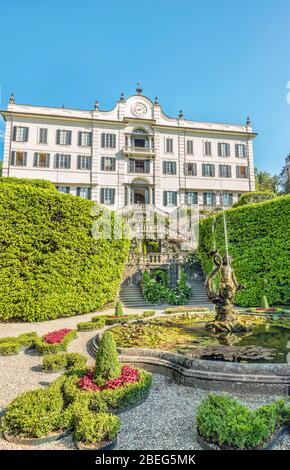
122 98
96 105
156 100
12 98
248 121
139 89
180 116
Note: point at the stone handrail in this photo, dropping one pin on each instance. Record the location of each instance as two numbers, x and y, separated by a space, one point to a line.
154 258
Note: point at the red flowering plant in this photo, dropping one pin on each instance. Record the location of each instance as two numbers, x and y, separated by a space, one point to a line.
56 336
128 376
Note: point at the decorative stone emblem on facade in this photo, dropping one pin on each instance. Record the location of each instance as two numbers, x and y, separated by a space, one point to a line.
139 109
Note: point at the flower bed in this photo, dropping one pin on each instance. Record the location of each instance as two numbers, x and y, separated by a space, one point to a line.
102 399
55 341
121 319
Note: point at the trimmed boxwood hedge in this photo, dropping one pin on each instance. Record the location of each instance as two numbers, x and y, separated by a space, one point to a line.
26 181
94 428
13 344
223 421
59 361
258 236
35 414
50 264
91 325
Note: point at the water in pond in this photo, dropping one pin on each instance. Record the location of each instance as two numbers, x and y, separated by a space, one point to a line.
266 336
266 342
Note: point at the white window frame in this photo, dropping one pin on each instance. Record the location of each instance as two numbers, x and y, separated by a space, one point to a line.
84 192
85 138
241 151
168 145
84 162
40 135
207 145
189 147
20 134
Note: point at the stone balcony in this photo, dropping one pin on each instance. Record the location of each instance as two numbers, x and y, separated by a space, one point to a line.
154 259
131 151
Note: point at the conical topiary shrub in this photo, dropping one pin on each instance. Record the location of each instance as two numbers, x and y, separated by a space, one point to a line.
119 309
264 302
107 361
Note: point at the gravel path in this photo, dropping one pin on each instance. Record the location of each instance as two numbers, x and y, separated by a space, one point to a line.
164 422
14 329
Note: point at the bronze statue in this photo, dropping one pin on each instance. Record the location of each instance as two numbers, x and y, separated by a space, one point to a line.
226 319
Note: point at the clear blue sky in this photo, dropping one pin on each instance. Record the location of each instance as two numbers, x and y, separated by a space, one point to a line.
217 60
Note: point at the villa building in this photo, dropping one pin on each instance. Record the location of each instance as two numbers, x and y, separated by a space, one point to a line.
131 155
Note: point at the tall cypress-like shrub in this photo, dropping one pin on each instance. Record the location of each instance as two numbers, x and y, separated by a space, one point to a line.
107 361
50 264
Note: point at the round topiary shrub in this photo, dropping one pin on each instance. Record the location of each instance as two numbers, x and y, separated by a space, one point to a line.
107 361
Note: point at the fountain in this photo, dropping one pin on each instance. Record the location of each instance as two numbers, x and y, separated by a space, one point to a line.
226 319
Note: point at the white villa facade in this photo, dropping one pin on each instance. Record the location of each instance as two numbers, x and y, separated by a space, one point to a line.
131 155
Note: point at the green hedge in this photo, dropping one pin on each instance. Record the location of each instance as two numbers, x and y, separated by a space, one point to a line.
254 197
26 181
258 236
224 421
95 428
91 325
50 265
11 345
59 361
34 414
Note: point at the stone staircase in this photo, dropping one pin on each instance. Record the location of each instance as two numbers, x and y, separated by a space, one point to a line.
196 280
131 297
198 296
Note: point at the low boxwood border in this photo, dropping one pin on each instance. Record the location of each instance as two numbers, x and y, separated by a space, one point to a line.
52 363
12 345
91 325
119 320
46 348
